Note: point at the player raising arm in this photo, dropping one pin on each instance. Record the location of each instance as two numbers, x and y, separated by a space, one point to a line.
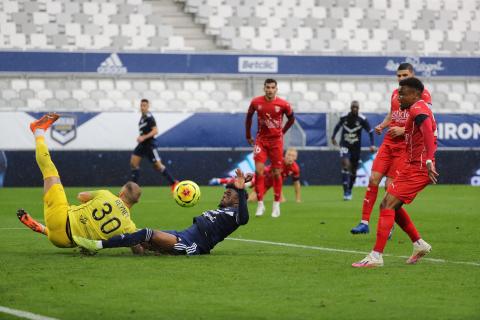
101 216
207 230
269 140
417 172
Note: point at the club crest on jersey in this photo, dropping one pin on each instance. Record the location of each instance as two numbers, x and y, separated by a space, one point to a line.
259 107
64 130
277 109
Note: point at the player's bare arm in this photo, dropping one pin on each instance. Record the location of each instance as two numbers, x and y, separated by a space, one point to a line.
84 196
396 131
432 172
386 121
248 125
239 179
296 187
149 135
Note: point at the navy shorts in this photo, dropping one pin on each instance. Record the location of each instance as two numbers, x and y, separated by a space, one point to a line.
352 154
190 241
148 151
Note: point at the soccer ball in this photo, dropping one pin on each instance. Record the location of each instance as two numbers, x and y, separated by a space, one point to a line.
186 193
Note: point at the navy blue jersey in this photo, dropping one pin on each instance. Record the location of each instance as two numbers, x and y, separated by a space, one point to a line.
146 125
218 224
351 135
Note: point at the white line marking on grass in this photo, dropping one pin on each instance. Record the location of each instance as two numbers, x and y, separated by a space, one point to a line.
24 314
24 228
293 245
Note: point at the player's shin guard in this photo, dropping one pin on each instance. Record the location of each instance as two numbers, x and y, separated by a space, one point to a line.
128 239
403 220
345 180
168 176
134 175
44 161
369 202
277 187
260 186
385 224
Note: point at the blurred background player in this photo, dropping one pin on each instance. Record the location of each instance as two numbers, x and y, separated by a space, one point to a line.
147 146
290 169
207 230
390 156
352 124
418 172
269 141
101 215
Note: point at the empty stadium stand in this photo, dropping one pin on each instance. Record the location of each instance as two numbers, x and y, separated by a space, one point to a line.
173 94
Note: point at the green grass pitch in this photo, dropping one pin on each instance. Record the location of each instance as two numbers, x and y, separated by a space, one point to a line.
250 280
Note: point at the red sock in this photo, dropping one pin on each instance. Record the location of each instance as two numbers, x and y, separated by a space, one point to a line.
403 220
369 202
226 180
385 224
277 187
259 186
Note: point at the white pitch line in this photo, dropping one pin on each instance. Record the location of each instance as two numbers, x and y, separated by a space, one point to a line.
293 245
24 228
24 314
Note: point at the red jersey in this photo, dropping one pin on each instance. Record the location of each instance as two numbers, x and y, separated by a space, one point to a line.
399 117
416 152
292 170
270 116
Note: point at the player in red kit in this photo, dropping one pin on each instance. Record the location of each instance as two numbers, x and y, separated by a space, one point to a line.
390 156
290 169
417 172
269 140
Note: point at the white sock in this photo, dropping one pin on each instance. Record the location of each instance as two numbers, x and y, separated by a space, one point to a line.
99 244
376 255
260 203
419 242
276 204
39 133
364 222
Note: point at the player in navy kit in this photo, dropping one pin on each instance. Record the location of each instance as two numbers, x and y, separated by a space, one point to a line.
147 146
207 230
352 124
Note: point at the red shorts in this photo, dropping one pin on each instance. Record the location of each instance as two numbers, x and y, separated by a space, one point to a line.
272 149
410 181
389 160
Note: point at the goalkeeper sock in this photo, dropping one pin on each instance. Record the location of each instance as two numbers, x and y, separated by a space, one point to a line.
42 156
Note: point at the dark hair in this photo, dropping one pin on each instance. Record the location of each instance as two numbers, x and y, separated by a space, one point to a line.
145 100
270 80
232 186
405 66
413 83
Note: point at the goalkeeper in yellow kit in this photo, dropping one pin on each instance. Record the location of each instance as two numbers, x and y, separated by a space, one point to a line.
101 215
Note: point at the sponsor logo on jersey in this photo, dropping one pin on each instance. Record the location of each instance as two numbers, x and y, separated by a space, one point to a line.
64 130
112 65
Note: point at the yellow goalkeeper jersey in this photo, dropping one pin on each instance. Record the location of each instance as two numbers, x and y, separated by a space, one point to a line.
101 218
